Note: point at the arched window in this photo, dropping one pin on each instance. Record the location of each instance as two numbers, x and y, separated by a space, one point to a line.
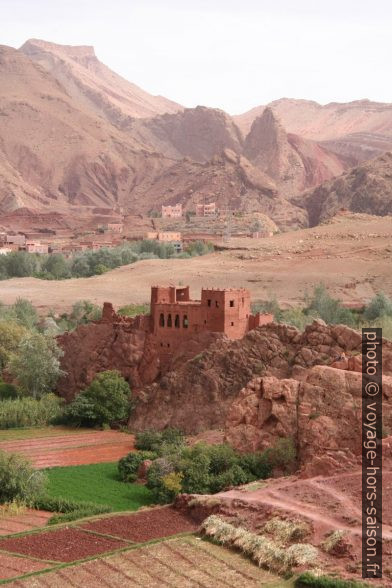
169 320
177 321
185 321
161 320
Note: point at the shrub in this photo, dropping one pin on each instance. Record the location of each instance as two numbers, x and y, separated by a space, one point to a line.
256 465
328 308
163 442
8 391
105 401
18 479
309 579
283 454
29 412
379 306
128 466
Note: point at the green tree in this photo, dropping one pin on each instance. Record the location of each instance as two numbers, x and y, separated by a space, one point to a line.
11 334
105 401
25 313
36 364
57 266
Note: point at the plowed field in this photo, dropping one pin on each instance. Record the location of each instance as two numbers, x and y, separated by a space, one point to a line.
181 563
72 449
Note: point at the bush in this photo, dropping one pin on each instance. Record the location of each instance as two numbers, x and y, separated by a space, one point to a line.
128 466
283 454
8 391
148 440
309 579
162 442
105 401
29 412
256 465
329 309
379 306
19 480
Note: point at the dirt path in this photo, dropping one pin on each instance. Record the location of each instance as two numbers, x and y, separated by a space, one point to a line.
284 496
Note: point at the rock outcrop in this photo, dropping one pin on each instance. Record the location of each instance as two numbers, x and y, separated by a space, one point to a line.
319 408
198 394
364 189
294 163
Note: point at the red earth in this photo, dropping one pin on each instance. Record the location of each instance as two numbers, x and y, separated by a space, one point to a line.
30 519
11 566
61 545
77 542
72 449
144 526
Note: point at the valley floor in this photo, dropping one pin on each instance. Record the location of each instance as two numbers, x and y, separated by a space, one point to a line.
351 255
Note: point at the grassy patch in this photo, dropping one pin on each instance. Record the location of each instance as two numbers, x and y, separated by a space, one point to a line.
97 483
33 432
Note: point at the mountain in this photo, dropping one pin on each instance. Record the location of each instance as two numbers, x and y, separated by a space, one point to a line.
293 162
366 188
58 156
93 85
357 130
76 138
198 133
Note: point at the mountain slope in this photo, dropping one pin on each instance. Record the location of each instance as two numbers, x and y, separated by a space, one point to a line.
94 85
292 162
366 188
358 130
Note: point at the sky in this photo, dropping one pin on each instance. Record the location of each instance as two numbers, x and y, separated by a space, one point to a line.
225 54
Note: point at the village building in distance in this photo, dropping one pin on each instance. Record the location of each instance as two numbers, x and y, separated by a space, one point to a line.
172 237
172 211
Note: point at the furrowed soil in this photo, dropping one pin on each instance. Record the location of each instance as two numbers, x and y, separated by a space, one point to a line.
62 545
181 563
144 526
72 449
351 255
25 521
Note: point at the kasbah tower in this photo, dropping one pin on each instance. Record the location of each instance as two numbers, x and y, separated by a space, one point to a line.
175 317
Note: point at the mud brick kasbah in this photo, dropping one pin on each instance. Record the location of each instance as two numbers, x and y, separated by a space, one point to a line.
175 317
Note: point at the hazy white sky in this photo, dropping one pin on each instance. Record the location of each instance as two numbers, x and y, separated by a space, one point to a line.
224 53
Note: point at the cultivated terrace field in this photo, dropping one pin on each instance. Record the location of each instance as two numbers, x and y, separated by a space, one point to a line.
141 554
61 446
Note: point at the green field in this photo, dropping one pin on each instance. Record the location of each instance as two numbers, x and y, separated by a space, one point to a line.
97 483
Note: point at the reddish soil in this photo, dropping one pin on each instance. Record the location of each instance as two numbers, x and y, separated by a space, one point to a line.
26 521
69 450
327 503
63 545
11 566
144 526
